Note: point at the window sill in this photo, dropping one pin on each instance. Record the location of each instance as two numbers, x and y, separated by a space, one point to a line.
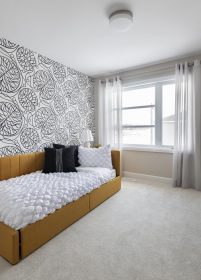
151 149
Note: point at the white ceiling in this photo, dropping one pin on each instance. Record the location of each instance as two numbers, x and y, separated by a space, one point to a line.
76 32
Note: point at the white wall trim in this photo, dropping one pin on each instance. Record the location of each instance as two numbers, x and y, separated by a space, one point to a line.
139 176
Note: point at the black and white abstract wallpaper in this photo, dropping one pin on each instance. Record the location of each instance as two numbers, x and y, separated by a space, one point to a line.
41 101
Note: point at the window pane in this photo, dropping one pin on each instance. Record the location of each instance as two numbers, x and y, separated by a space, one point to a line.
168 114
143 136
142 116
139 97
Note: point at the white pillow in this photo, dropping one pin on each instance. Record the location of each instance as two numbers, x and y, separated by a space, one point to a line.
95 157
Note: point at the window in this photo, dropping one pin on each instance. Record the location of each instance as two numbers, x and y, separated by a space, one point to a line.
148 114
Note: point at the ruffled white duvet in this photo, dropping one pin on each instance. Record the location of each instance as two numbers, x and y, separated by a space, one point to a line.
29 198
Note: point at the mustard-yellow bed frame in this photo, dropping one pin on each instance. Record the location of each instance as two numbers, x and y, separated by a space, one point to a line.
17 244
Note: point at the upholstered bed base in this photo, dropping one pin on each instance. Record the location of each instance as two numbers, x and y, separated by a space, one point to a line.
17 244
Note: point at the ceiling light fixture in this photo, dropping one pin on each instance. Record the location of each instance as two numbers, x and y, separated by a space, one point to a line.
121 20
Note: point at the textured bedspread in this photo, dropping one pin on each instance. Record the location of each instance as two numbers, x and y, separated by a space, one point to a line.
29 198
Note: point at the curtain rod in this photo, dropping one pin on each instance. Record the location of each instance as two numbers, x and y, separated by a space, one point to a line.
135 73
146 75
189 64
110 80
139 73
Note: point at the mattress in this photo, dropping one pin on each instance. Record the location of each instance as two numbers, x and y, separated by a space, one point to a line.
29 198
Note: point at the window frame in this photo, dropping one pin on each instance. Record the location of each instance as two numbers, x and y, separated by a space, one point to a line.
158 84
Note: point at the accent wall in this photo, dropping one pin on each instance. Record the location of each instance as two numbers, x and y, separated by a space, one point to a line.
41 101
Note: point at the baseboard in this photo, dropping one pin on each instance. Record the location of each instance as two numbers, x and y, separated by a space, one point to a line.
139 176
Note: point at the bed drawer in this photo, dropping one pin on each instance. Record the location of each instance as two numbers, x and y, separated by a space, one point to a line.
9 243
35 235
105 191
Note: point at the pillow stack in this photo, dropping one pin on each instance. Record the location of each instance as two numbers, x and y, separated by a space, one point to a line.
60 159
65 159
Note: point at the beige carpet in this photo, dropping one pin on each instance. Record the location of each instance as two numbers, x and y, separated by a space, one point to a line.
148 231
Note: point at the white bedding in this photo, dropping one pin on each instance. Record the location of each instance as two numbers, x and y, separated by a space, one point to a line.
29 198
103 173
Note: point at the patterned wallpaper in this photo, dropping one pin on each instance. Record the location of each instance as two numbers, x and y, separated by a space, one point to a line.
41 101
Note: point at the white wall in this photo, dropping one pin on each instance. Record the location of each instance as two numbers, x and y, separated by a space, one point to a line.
149 163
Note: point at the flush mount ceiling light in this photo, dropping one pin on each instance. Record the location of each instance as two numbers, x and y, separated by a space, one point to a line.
121 20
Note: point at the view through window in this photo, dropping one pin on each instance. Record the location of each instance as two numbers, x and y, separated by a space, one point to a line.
148 114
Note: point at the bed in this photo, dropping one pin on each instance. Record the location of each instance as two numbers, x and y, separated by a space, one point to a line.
17 244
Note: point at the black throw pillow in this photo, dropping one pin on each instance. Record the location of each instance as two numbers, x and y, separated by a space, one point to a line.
50 160
60 146
68 159
59 160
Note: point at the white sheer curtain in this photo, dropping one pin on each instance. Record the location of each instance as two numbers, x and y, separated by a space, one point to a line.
187 150
109 120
